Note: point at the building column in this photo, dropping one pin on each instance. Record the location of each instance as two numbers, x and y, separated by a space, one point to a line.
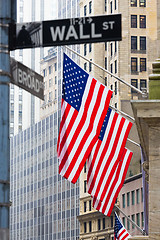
147 116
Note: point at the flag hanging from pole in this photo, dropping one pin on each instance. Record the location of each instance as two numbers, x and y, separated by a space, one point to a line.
84 106
106 153
120 233
115 184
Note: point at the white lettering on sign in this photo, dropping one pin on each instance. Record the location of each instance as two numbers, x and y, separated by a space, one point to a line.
94 35
82 36
57 33
29 81
108 25
62 33
71 33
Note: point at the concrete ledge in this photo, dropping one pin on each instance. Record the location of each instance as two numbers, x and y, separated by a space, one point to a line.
139 238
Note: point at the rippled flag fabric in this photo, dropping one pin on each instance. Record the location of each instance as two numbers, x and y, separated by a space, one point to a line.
115 184
106 153
120 233
84 106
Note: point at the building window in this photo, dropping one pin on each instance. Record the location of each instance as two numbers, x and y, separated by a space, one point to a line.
50 96
55 80
85 167
44 72
142 43
143 84
104 223
138 219
85 10
111 7
90 226
134 82
85 49
111 49
133 219
90 47
55 67
50 69
85 206
142 219
105 62
134 42
111 221
50 82
123 200
85 227
133 64
105 46
99 224
115 4
128 224
115 66
123 221
115 47
133 21
137 196
142 21
133 197
85 66
105 81
128 199
142 64
142 3
115 87
90 205
90 66
105 5
111 67
85 186
133 3
90 7
55 92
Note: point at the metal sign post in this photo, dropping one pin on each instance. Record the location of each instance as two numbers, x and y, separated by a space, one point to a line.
6 15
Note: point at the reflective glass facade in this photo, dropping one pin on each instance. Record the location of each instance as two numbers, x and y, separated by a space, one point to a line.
44 205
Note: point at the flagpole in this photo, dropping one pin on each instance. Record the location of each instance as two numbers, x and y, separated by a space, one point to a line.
141 230
105 70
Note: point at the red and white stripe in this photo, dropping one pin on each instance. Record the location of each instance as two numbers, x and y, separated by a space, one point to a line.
106 154
115 185
79 130
123 234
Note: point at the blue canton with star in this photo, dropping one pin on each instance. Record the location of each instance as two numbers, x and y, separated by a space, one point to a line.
74 82
105 123
117 226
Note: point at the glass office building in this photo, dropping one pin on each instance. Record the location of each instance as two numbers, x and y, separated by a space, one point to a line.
44 205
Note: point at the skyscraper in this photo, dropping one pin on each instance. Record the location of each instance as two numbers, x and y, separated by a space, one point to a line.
25 108
44 205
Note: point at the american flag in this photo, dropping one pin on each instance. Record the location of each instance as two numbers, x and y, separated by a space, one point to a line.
84 106
106 153
115 184
120 233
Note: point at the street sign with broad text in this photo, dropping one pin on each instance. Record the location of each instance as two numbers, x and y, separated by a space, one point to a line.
27 79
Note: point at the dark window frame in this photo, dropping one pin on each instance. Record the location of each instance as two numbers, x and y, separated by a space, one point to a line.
142 21
133 3
133 42
133 21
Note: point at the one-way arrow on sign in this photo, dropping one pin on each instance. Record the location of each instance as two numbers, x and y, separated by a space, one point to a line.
66 32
